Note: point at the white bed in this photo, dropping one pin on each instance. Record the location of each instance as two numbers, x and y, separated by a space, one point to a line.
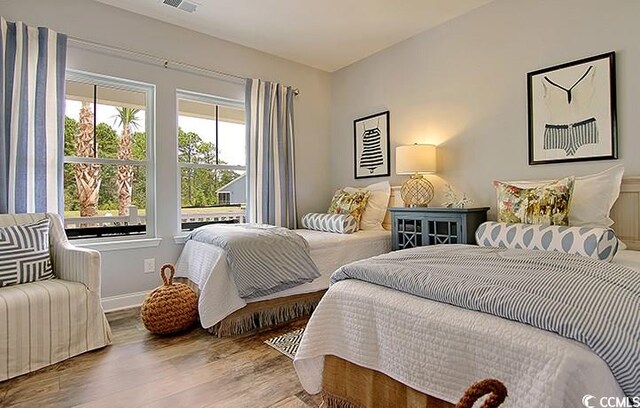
439 349
206 266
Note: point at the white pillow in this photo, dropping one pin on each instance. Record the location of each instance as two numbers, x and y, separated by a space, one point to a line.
376 208
592 198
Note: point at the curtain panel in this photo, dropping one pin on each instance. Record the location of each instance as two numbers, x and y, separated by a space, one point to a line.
270 150
32 80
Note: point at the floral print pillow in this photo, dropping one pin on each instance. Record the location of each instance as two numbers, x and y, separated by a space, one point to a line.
547 204
349 203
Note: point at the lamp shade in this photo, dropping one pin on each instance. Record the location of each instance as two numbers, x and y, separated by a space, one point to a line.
417 158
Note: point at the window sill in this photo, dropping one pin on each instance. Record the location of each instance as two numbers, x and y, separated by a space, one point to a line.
180 239
119 245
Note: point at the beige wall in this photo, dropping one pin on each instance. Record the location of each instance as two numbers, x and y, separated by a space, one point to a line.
123 270
463 86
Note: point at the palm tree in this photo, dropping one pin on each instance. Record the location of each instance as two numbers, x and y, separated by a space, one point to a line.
88 177
127 118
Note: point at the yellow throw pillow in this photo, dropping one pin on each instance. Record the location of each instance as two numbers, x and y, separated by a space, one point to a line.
547 204
349 203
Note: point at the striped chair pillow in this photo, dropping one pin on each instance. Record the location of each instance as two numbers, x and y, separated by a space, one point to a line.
338 223
24 253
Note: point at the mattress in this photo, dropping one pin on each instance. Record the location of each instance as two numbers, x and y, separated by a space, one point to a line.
439 349
207 267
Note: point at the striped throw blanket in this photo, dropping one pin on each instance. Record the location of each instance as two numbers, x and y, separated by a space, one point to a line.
580 298
263 259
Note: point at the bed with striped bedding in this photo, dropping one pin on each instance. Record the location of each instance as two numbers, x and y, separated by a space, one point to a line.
579 298
263 259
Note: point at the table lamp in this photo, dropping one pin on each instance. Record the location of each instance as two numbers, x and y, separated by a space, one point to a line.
416 160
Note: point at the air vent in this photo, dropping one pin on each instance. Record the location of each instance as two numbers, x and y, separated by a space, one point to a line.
183 5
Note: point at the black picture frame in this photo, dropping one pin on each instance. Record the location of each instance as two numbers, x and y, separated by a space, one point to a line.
595 136
372 126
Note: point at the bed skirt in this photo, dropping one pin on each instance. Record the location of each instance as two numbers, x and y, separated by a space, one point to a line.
263 314
347 385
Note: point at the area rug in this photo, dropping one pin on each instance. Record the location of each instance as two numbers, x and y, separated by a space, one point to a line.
287 343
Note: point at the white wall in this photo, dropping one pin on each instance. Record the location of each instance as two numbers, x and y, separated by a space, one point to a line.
123 270
462 86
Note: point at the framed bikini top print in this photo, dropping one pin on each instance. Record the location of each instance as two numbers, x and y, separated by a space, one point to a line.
572 111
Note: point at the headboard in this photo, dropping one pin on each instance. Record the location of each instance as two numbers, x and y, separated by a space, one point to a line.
395 200
625 212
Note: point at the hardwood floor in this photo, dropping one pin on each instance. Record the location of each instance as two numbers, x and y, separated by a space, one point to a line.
194 369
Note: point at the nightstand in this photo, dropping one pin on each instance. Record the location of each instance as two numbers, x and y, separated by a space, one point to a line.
420 226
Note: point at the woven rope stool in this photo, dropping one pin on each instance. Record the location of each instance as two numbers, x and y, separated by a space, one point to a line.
490 386
170 308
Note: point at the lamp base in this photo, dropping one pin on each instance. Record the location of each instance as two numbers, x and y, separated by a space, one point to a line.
417 191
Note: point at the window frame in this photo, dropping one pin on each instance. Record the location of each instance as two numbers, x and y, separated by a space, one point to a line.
212 100
149 90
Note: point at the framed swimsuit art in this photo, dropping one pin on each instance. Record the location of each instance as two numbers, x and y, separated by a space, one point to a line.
572 111
371 146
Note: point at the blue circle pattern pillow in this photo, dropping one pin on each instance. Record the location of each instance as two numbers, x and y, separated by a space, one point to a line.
597 243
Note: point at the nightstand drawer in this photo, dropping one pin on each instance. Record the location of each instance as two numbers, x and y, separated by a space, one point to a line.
414 227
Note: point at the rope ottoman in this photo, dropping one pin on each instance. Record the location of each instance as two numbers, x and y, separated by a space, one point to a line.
170 308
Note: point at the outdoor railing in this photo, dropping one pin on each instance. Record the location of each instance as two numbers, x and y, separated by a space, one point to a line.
134 218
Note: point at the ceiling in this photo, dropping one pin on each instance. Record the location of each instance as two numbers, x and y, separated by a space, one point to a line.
327 34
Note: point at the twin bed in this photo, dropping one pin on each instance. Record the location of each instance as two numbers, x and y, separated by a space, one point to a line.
223 312
371 345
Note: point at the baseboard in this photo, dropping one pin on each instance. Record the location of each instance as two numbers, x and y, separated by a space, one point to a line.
126 301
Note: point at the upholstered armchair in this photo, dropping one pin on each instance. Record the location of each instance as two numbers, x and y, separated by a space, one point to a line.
51 320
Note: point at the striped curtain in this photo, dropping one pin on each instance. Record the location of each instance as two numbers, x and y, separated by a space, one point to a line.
32 73
270 165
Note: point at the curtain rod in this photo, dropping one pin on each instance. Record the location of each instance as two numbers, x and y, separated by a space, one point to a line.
166 63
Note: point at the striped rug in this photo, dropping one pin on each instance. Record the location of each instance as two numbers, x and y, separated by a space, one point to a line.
287 343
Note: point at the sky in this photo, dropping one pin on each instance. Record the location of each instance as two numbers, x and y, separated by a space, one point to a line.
231 137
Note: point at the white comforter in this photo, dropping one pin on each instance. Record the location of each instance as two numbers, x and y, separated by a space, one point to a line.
440 349
206 265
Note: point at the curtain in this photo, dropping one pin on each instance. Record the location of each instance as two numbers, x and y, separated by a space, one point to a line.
32 70
270 149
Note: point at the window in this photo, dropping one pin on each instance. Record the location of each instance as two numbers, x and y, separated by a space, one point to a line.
212 160
108 168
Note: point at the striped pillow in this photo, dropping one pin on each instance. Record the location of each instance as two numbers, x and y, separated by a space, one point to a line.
24 253
338 223
597 243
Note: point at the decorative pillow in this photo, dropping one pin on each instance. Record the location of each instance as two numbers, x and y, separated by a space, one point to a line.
24 253
377 204
338 223
597 243
593 197
547 204
349 203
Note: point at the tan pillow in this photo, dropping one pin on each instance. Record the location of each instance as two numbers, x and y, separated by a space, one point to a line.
547 204
349 203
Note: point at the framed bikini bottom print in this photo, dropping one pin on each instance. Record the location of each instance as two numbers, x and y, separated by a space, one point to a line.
572 111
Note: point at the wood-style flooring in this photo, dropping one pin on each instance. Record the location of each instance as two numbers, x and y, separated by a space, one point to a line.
190 370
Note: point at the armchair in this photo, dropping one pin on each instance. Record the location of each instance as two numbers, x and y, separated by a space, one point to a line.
49 321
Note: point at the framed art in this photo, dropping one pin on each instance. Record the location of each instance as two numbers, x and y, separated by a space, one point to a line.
371 146
572 111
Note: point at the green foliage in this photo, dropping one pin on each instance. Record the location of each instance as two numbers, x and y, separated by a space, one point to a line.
199 186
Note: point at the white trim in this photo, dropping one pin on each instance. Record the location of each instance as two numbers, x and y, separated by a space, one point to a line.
209 99
126 301
180 239
100 160
212 166
118 245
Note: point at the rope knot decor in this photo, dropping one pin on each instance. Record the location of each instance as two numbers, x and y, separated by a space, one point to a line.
170 308
489 386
